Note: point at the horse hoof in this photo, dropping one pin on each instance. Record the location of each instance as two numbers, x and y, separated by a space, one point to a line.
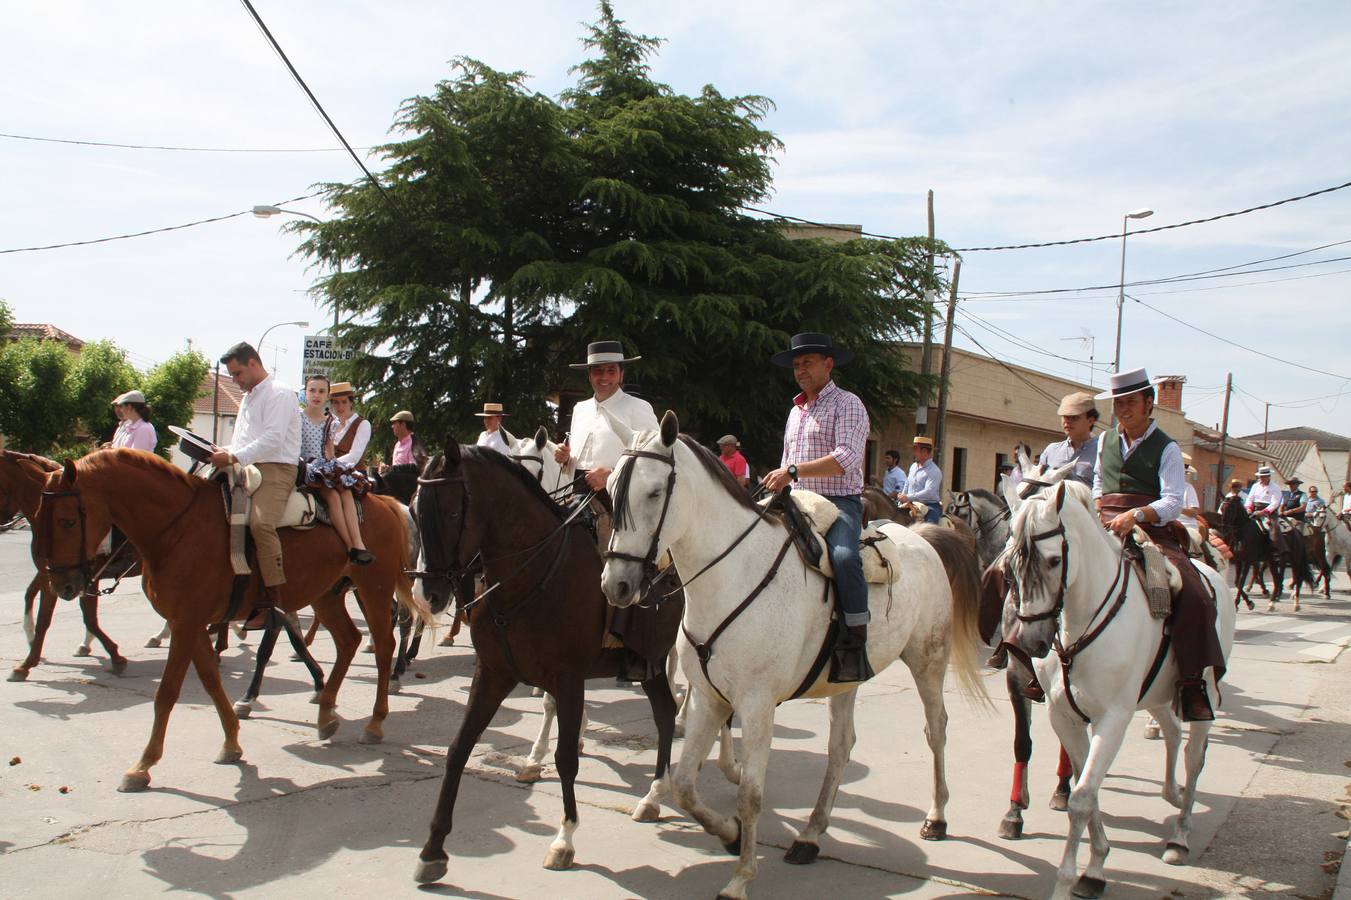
243 710
1152 732
1011 829
314 698
1175 854
395 686
1251 605
645 812
1060 801
154 643
529 774
934 830
1271 607
1088 887
801 853
327 730
118 666
18 675
559 859
429 871
133 783
371 737
369 648
679 731
229 757
734 846
82 650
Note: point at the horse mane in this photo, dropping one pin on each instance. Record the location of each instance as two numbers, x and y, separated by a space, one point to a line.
1026 558
988 495
105 460
491 457
719 472
42 462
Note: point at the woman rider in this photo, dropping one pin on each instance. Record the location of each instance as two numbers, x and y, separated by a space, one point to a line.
337 472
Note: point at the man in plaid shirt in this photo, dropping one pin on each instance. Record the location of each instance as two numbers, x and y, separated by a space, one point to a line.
823 450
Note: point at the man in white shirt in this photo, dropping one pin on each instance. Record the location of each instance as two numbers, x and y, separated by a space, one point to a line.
1264 499
491 435
1191 501
603 424
267 435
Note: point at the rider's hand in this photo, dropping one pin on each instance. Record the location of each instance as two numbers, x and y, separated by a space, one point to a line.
563 454
778 480
220 459
596 478
902 500
1123 524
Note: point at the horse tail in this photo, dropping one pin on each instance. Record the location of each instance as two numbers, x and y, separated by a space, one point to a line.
963 570
411 545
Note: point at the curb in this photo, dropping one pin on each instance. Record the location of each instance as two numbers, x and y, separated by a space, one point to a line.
1343 889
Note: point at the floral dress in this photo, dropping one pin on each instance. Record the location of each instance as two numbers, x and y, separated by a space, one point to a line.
346 471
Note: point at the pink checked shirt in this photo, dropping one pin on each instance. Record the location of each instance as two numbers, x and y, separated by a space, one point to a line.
835 423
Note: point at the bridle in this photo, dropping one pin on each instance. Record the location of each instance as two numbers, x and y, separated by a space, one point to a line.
45 535
649 560
966 511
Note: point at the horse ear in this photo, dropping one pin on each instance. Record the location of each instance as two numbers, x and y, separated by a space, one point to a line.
507 435
1059 496
69 470
541 437
451 453
670 428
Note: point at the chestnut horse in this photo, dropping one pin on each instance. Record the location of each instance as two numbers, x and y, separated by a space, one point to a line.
178 523
21 478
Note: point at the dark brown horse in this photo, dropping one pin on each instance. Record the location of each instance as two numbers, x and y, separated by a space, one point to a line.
178 523
540 622
22 476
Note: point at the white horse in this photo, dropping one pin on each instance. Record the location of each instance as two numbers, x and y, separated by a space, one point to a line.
758 617
1069 576
1338 532
987 515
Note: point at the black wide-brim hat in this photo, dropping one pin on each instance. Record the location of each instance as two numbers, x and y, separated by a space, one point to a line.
811 342
193 446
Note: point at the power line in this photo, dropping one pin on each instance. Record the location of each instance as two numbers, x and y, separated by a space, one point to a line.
1112 296
262 26
1023 343
1011 370
123 237
1086 240
50 140
1225 340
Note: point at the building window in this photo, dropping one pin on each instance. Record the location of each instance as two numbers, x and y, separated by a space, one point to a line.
1000 461
958 474
869 461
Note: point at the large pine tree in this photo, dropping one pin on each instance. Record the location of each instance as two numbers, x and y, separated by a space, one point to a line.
513 228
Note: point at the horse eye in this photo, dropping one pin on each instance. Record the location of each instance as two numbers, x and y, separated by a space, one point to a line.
67 523
654 495
1053 562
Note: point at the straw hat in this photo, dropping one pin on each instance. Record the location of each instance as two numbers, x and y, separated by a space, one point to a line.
922 441
341 389
491 409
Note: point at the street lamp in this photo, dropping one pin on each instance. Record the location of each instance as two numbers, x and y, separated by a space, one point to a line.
278 325
1121 292
267 211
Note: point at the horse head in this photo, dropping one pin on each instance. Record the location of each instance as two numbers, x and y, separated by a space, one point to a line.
1041 568
21 479
440 507
536 456
67 531
645 522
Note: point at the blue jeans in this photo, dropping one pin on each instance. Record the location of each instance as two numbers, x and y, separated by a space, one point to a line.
934 514
842 538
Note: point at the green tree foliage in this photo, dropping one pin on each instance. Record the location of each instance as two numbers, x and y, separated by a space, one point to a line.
170 388
518 227
37 406
100 374
6 318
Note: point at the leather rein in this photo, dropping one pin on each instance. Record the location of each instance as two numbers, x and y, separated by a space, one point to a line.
962 508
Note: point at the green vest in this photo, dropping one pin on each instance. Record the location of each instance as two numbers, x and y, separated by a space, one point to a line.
1139 474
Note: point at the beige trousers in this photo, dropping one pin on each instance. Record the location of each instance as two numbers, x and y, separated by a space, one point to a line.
269 504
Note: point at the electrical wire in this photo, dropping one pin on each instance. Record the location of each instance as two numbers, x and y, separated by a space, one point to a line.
262 26
123 237
50 140
1011 370
1023 343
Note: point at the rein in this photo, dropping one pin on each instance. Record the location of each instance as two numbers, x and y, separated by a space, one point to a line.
621 502
980 523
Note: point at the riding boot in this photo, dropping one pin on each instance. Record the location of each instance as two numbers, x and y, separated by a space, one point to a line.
270 600
999 659
849 658
1192 699
361 556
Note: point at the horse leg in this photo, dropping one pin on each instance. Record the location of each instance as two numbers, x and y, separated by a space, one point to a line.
46 606
302 653
706 718
1171 730
157 640
244 708
29 595
807 844
571 708
486 693
1064 771
381 630
1011 826
534 763
928 670
405 620
727 764
208 671
1177 849
757 731
313 630
659 695
1092 758
333 613
181 648
89 608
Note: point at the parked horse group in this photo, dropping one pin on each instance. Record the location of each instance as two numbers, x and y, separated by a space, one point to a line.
746 622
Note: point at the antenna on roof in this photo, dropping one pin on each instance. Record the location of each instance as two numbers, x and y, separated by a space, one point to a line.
1088 342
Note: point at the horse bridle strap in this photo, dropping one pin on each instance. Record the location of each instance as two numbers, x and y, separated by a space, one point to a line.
84 566
649 561
1054 611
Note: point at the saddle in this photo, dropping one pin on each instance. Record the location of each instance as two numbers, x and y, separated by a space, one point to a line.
810 515
301 508
1160 577
238 484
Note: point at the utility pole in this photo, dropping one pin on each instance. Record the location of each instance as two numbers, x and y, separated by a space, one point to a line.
940 425
926 354
215 404
1266 423
1224 439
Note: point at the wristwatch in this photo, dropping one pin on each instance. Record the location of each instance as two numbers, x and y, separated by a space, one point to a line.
792 472
1139 513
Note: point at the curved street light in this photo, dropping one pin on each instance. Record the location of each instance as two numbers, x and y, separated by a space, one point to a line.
267 211
299 323
1121 291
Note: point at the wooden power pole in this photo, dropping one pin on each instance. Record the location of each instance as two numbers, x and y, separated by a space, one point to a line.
940 426
926 353
1224 439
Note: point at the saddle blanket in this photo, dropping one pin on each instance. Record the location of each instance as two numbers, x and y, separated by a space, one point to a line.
241 483
881 555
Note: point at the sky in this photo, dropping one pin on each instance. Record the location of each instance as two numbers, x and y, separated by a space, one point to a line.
1031 122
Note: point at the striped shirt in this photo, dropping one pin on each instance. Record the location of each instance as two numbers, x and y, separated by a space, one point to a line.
834 424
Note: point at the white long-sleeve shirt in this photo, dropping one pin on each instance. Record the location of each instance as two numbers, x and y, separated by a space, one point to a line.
924 483
1172 473
1189 501
593 439
1264 493
494 440
268 427
359 440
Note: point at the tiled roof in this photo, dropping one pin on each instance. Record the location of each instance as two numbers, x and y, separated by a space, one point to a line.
230 395
45 332
1325 440
1287 455
1205 436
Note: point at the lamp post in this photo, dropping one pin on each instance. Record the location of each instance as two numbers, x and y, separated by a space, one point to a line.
267 211
1121 292
300 324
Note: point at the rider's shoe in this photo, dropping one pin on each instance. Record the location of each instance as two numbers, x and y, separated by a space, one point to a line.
361 556
270 600
849 659
1194 702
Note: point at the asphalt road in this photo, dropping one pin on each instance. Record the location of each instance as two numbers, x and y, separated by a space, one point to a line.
310 818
